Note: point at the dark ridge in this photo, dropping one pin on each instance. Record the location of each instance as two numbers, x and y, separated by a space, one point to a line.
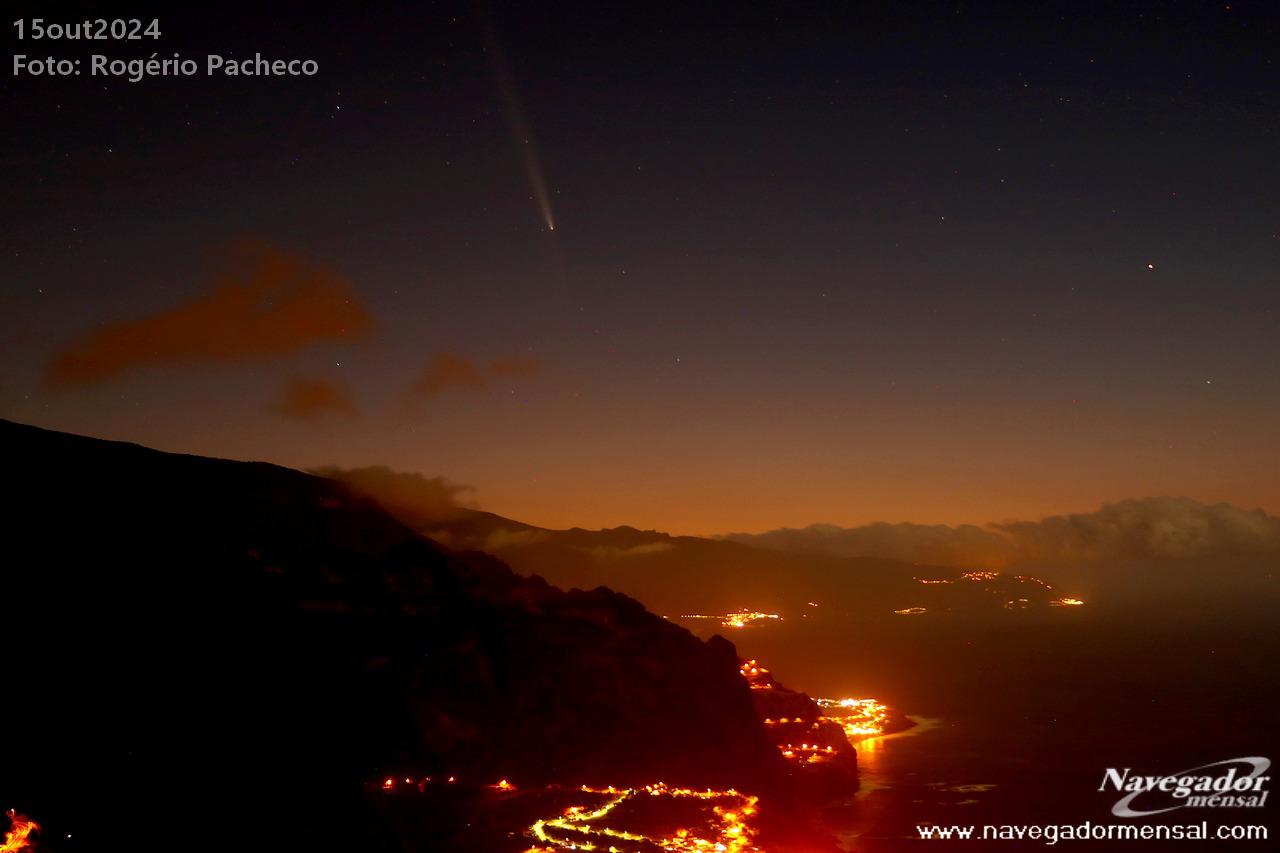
211 653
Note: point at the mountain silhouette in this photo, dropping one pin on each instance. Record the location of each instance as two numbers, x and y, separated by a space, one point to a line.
203 653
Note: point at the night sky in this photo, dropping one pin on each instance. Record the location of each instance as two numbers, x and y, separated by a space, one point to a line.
932 262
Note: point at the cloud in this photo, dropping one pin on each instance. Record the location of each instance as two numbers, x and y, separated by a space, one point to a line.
309 399
448 370
263 303
416 500
1147 528
614 552
514 367
938 544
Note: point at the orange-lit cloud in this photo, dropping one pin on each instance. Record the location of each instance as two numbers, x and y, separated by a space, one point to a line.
309 399
416 500
614 552
447 370
515 367
263 303
938 544
1148 528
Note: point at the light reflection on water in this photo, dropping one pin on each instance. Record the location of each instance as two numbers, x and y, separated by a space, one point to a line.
1024 715
873 772
942 770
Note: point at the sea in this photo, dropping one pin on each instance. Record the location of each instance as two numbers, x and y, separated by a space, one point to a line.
1020 715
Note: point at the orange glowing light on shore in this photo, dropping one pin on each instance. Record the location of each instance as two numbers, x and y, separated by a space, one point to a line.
911 611
1066 602
719 821
737 619
802 739
808 753
19 835
756 675
858 717
728 826
1035 580
390 783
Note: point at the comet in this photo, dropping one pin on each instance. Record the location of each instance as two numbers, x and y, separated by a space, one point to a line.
517 121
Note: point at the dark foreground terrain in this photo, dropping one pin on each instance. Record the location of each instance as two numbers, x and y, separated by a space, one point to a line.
202 653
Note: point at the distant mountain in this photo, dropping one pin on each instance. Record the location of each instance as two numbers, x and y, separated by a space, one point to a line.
1128 555
210 653
686 575
683 575
1155 528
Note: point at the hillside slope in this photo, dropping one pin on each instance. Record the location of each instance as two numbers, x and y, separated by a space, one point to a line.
198 647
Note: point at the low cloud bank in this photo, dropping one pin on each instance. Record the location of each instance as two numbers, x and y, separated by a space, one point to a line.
1146 528
613 552
416 500
914 543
